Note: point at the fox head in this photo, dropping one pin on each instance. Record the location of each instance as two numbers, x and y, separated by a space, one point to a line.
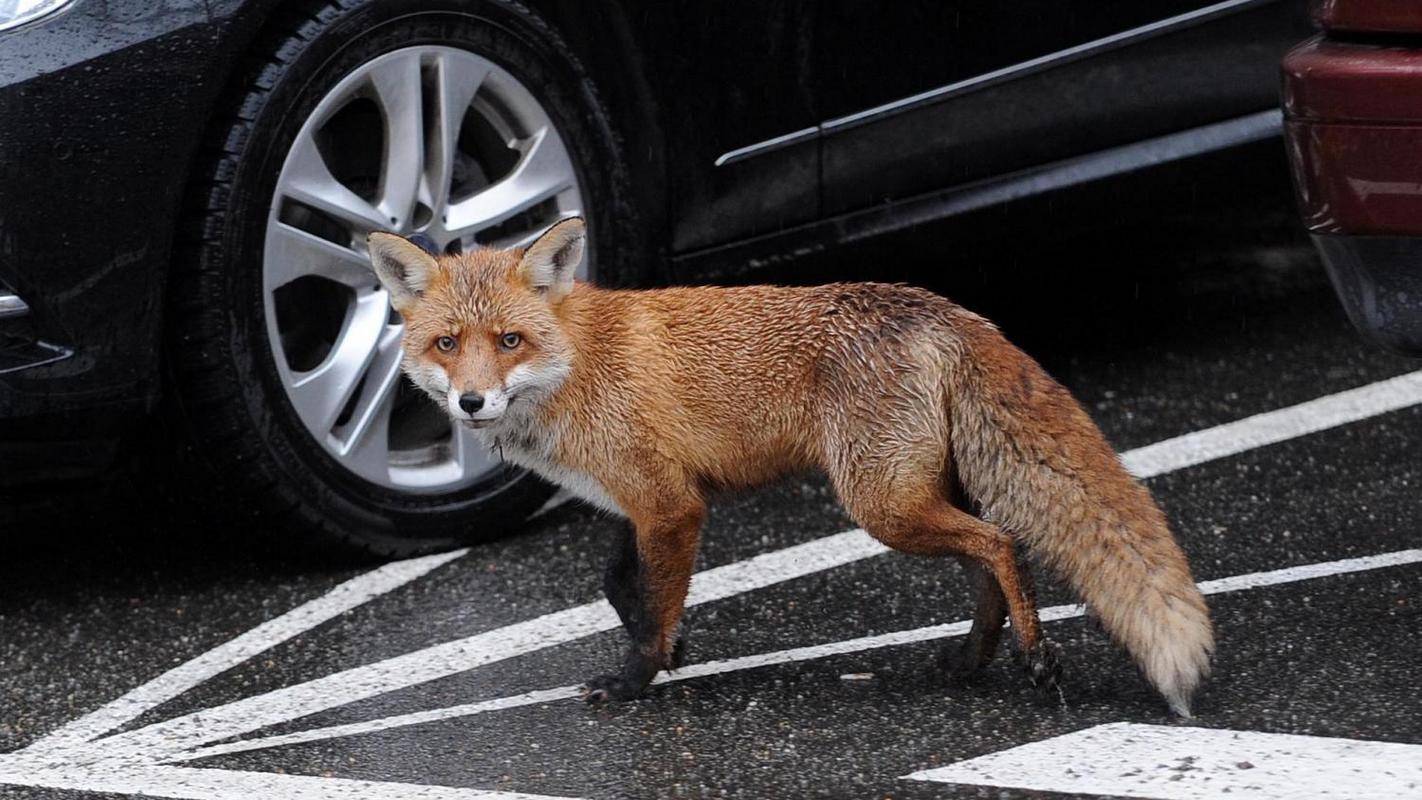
482 329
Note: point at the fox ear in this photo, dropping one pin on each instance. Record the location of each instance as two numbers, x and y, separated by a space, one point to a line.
403 267
550 261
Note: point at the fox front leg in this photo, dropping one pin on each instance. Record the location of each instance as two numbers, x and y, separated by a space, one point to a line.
646 582
625 584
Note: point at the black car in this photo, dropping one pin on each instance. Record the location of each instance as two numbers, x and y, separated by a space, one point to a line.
187 186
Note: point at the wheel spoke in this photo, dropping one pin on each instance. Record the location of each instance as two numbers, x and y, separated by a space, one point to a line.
352 402
293 253
320 394
307 180
369 455
367 439
528 237
456 81
541 173
399 91
472 455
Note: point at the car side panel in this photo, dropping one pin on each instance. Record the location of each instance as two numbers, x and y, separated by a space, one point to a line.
870 53
1199 74
725 75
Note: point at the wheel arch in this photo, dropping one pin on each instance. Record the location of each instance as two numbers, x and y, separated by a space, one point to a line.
602 38
254 26
238 24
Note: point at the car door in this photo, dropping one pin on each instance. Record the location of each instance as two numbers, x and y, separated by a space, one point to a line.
726 75
924 94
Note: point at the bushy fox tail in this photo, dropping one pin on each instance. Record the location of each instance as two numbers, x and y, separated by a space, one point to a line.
1042 471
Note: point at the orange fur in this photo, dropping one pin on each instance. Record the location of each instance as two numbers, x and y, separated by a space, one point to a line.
645 402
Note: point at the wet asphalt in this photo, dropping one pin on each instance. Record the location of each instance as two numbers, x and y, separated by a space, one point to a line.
123 586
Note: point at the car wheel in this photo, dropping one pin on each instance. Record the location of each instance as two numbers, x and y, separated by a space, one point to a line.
467 122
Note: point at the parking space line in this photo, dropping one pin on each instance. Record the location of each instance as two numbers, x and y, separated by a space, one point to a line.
1126 759
354 592
1273 427
1254 580
159 741
170 738
221 784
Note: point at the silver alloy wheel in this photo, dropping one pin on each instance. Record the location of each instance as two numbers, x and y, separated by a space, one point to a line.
432 140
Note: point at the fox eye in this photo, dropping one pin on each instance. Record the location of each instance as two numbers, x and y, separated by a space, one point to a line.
510 340
445 344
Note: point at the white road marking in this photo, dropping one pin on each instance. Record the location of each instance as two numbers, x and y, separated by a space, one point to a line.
1273 427
163 740
1253 580
535 698
1177 763
221 784
283 705
1304 572
559 498
166 740
348 595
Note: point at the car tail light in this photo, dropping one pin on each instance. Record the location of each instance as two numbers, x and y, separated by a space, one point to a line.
1368 16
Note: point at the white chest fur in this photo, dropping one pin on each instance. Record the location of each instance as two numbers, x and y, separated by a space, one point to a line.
532 446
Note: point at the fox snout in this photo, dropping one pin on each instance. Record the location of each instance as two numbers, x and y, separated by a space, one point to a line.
477 407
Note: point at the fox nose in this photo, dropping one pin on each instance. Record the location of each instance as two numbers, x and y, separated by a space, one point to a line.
471 402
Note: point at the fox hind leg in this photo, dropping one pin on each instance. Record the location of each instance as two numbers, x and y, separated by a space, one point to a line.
967 658
922 521
963 660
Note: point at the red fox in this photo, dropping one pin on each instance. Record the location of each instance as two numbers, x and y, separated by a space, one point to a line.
939 437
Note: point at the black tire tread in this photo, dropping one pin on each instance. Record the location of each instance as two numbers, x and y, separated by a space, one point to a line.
203 379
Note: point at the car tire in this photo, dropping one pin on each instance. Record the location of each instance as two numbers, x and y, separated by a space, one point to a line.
230 359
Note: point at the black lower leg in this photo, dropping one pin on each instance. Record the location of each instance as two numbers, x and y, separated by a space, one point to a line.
1043 669
638 670
966 659
624 583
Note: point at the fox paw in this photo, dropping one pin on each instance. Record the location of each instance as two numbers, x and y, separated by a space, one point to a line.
1043 669
962 663
606 688
678 653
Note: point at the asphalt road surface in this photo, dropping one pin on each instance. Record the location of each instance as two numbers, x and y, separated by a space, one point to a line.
144 651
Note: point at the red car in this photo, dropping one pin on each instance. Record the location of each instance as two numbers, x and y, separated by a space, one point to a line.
1353 122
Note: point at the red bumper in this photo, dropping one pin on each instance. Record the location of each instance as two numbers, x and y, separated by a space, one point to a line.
1353 124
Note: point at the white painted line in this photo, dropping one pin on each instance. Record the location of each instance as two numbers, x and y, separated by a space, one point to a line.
354 592
537 698
169 738
163 740
244 716
1235 583
1274 427
221 784
559 498
1304 572
1177 763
